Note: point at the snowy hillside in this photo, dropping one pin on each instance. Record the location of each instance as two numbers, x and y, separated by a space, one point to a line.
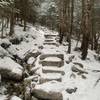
34 65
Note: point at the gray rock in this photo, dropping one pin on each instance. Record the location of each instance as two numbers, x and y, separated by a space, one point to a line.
70 90
48 91
34 98
9 69
79 70
40 94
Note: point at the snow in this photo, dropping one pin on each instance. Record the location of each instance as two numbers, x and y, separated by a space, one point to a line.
51 76
15 98
31 60
53 68
8 64
3 52
52 59
3 97
51 86
86 89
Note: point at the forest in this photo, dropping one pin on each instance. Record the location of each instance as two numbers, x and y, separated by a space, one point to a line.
49 49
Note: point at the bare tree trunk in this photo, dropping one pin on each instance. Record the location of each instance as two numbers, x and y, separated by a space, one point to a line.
71 25
11 23
92 25
2 29
24 24
7 22
86 27
62 19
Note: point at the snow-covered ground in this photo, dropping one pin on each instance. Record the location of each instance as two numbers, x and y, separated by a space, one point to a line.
79 81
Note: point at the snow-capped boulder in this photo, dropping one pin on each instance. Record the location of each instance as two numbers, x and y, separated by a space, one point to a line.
10 69
31 60
15 98
48 91
3 52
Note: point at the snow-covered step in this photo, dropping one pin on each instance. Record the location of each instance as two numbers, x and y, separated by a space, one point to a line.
51 43
52 60
50 69
49 40
50 35
50 77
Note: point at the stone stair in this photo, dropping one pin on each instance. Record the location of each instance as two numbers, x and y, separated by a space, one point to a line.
52 62
52 67
51 40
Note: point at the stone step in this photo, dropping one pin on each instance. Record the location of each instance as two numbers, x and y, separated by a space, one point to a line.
52 70
50 36
50 43
55 60
49 40
50 77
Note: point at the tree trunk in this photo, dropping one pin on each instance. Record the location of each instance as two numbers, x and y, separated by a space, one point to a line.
2 29
71 25
92 25
11 23
24 24
86 26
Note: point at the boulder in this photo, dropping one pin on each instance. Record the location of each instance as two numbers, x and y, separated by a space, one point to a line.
71 90
79 70
5 45
16 40
31 60
48 91
3 52
69 58
47 96
33 98
15 98
9 69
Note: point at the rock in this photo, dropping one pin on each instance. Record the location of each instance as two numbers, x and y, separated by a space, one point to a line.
73 76
79 70
16 40
5 45
70 90
9 69
15 98
47 96
34 69
34 98
83 76
97 57
29 54
70 58
40 47
31 78
31 60
65 43
77 49
79 64
3 52
47 91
